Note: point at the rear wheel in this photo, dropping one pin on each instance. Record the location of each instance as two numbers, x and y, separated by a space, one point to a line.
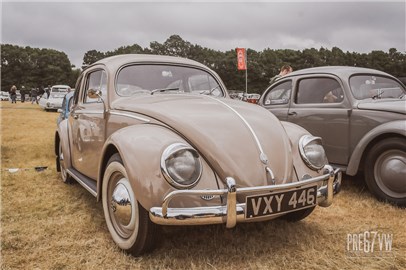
385 170
66 178
127 221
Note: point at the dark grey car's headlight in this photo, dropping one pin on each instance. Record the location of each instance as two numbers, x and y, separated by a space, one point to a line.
181 165
312 152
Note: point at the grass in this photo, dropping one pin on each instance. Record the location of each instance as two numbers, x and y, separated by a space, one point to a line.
46 224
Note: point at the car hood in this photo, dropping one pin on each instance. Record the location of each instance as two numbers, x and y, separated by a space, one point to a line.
228 134
387 105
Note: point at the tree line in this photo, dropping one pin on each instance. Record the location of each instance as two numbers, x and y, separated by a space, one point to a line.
44 66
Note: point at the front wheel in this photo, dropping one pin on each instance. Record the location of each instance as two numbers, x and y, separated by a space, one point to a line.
385 170
127 221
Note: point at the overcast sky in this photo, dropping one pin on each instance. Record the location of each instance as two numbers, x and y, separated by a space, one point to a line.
75 28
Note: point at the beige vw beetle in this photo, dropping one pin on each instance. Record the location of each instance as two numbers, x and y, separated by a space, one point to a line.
158 140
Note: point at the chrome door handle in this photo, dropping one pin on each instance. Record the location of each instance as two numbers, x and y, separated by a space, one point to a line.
292 113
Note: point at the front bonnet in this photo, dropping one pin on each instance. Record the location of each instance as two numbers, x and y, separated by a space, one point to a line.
218 129
387 105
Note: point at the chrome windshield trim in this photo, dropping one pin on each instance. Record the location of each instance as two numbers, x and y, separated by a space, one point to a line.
262 155
130 116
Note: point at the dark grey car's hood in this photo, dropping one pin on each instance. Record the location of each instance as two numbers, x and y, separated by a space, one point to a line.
387 105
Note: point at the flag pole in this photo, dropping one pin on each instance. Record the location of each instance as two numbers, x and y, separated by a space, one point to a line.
246 73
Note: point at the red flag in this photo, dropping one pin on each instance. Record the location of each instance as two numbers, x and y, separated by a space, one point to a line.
241 59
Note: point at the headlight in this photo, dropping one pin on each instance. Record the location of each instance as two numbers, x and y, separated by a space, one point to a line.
312 152
181 165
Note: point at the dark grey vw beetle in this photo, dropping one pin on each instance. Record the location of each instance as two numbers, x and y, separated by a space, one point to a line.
158 140
360 114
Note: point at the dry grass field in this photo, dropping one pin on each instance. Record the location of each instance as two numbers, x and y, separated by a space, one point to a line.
46 224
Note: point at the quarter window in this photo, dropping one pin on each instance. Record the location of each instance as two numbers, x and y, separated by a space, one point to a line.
319 90
97 81
280 94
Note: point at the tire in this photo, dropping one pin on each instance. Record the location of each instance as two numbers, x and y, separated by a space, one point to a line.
128 223
298 215
385 170
66 178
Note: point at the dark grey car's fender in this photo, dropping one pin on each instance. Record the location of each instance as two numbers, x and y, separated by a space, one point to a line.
397 127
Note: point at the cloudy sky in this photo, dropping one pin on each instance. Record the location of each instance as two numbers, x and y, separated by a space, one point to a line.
77 27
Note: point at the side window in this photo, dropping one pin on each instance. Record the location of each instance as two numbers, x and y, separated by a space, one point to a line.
279 94
97 81
319 90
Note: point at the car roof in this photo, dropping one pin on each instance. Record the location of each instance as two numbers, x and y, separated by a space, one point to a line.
122 59
342 71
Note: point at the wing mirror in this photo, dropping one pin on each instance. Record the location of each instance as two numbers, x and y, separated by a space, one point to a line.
92 93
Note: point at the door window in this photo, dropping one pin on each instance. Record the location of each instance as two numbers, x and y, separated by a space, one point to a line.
279 94
319 90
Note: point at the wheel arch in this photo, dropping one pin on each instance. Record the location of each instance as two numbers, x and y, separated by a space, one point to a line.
379 133
109 151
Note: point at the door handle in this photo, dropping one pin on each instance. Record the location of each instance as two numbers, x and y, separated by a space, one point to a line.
292 113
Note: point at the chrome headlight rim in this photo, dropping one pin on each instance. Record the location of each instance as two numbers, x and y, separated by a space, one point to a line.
171 150
303 142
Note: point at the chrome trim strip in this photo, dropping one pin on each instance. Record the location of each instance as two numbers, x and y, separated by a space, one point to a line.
234 212
89 112
262 155
82 183
130 115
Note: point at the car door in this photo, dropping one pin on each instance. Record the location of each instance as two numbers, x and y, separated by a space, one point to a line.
87 123
320 106
277 98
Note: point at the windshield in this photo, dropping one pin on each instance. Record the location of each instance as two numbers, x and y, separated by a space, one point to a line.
375 87
158 79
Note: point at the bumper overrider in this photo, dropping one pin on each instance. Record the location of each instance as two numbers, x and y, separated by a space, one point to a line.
329 184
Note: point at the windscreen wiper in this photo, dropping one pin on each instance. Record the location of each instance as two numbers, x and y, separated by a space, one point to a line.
380 93
160 90
209 92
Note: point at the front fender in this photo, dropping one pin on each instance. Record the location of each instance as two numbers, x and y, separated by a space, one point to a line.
397 127
140 148
295 132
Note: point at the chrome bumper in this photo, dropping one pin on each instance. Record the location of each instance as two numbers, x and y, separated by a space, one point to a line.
233 212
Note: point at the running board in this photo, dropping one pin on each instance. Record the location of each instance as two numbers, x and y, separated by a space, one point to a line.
89 184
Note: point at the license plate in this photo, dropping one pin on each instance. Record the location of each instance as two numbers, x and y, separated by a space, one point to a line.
276 203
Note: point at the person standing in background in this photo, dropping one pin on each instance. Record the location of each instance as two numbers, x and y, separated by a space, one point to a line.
286 69
13 94
34 94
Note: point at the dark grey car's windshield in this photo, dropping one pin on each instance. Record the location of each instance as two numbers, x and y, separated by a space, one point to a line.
147 79
375 87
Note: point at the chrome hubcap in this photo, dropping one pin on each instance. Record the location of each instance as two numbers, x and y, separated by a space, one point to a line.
122 208
390 171
121 205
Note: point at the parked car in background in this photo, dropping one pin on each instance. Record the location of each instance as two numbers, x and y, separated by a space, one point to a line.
4 96
158 140
65 110
359 113
253 98
55 98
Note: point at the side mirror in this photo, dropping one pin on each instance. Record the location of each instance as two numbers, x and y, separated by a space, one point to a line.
92 93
